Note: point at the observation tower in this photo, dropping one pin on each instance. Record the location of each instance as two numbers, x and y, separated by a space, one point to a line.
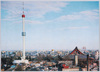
23 60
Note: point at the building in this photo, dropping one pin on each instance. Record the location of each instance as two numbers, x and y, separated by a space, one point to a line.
19 54
77 52
97 54
79 60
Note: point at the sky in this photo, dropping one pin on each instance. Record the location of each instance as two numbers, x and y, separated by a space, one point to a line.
58 25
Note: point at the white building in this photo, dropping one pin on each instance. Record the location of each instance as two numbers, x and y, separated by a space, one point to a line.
97 54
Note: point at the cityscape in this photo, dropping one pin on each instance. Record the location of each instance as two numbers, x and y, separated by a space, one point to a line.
50 36
51 60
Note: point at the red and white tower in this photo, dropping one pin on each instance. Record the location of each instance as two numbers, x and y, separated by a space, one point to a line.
23 33
23 60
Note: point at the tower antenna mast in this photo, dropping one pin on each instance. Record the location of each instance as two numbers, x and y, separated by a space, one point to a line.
23 7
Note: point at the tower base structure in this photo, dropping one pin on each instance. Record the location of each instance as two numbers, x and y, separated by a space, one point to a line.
20 61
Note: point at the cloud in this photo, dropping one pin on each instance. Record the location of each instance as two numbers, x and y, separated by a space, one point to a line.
28 22
35 9
84 27
90 15
7 19
68 17
14 21
83 15
73 28
33 22
32 9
